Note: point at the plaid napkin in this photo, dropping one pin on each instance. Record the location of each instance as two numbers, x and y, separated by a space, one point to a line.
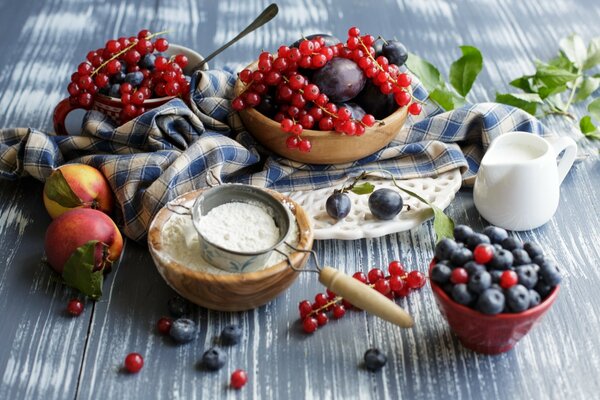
169 150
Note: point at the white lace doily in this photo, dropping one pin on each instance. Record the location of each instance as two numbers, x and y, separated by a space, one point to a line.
360 223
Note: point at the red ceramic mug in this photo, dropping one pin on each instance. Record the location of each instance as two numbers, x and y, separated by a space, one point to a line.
112 106
488 334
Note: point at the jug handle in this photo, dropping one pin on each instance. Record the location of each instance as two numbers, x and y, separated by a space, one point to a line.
567 145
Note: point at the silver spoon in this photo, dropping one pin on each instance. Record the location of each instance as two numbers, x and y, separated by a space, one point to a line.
268 14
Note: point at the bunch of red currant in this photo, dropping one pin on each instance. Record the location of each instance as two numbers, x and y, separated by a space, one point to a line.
132 69
397 284
302 104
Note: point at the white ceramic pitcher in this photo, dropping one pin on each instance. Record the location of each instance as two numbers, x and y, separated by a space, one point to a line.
518 183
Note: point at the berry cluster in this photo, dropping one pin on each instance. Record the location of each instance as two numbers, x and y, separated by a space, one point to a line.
492 272
397 284
131 69
298 104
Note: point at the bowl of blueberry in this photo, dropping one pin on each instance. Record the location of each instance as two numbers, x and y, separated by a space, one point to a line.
491 287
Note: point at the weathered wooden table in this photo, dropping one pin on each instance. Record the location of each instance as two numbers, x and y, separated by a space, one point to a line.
46 354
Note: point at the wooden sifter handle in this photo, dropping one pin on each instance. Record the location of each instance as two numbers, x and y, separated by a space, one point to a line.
364 297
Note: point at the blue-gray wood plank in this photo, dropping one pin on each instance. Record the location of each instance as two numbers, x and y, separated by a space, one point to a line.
46 354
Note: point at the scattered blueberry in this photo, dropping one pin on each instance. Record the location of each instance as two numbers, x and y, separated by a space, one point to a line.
517 298
479 281
496 235
440 273
461 294
385 203
462 232
475 239
231 334
214 359
533 249
473 267
550 272
521 257
511 243
491 301
178 306
374 359
528 277
444 249
503 259
461 256
338 205
183 330
135 78
115 90
147 61
534 298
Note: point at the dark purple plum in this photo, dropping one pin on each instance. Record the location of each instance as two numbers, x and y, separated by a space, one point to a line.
267 106
330 40
395 52
340 79
376 103
385 203
338 205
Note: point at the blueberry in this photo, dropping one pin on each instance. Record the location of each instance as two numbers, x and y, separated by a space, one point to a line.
511 243
503 259
338 205
475 239
461 294
178 306
491 301
119 77
231 334
444 248
461 256
385 203
517 298
496 275
538 259
498 247
543 288
183 330
115 90
534 298
550 272
440 273
496 235
521 257
473 267
533 249
147 61
447 287
214 359
462 233
496 286
528 277
135 78
374 360
479 281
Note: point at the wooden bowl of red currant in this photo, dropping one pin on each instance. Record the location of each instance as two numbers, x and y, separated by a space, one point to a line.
128 77
321 101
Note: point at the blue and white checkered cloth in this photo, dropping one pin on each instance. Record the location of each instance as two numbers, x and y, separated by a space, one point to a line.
169 150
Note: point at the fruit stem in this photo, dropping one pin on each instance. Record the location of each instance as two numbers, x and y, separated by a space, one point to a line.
384 41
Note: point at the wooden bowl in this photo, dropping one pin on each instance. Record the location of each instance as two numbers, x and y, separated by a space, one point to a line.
229 292
328 147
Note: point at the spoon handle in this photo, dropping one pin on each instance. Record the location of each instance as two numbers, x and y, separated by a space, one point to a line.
364 297
268 14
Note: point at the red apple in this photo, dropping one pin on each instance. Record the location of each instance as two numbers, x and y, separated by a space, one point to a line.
77 227
76 186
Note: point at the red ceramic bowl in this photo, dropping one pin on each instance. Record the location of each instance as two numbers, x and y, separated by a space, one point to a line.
488 334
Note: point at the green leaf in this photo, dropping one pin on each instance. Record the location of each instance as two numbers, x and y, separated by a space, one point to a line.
464 71
444 98
593 54
552 76
524 101
594 109
545 91
523 83
429 75
573 47
79 271
561 61
57 189
586 125
364 188
588 86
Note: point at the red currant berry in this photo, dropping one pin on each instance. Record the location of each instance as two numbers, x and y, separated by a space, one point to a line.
279 117
305 62
483 253
339 311
237 104
160 63
84 100
124 42
84 82
310 324
327 52
344 114
134 362
113 67
352 43
101 80
416 279
359 276
396 283
295 55
113 46
375 274
459 275
163 326
97 61
172 89
138 98
349 128
75 307
90 56
508 279
273 78
322 100
283 51
73 89
315 112
144 33
414 109
126 99
305 146
85 68
396 268
368 40
293 111
353 31
280 64
321 299
126 88
307 121
331 108
265 65
144 46
322 319
326 124
318 61
382 286
368 120
330 294
297 130
286 125
292 142
238 378
181 60
130 110
403 291
402 98
360 130
381 77
305 308
306 47
257 76
404 80
161 44
311 91
245 74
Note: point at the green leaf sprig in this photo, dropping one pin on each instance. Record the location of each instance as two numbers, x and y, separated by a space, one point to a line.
463 73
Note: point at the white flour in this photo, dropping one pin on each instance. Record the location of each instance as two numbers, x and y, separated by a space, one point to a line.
181 244
240 226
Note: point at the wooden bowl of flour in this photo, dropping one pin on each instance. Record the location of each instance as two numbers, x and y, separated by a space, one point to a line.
211 287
